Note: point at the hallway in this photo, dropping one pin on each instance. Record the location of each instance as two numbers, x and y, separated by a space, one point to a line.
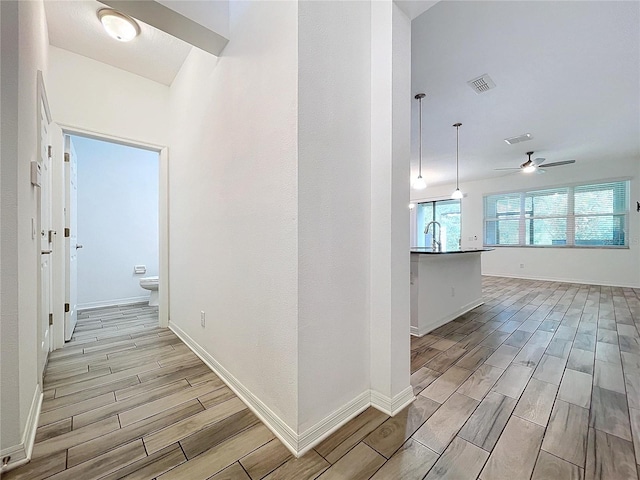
541 382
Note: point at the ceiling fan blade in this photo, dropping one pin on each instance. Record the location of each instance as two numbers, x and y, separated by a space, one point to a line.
538 161
557 164
540 171
512 168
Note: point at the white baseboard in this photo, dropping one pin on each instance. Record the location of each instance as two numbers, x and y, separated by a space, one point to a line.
113 303
279 428
416 332
298 444
325 427
560 280
391 406
21 453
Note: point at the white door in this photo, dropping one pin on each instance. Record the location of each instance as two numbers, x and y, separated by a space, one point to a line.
71 234
46 241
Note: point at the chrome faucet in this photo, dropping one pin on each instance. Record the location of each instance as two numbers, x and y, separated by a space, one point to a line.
435 244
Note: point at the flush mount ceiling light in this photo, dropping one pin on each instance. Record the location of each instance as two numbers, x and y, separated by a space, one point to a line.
457 194
419 183
118 25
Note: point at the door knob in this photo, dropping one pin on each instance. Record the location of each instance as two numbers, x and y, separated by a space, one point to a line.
78 245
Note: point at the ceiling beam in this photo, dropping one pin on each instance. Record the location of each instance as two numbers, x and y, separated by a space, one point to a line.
171 22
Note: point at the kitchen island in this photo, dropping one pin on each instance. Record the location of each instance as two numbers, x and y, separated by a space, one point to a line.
444 285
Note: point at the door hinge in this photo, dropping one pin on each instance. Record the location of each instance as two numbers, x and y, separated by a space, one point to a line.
67 157
51 319
49 152
66 308
67 232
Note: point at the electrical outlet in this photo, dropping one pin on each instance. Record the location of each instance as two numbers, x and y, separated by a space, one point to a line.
202 318
522 265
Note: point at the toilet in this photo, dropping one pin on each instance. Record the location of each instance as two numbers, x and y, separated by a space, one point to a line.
151 283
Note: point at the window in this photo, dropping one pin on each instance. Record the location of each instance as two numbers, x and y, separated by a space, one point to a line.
445 212
574 216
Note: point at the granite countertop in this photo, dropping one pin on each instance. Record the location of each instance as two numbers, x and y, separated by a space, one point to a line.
429 250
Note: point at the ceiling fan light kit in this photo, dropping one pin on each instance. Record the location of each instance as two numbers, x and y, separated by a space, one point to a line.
419 183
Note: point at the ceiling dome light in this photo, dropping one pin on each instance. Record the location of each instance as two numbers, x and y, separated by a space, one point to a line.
118 25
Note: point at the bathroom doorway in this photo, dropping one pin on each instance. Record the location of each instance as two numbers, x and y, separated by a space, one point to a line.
118 223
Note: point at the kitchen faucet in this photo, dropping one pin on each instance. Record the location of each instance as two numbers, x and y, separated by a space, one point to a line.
435 244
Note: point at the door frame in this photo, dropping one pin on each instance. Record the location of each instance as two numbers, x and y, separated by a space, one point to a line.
43 101
163 211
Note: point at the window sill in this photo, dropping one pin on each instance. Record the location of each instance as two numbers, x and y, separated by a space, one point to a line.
576 247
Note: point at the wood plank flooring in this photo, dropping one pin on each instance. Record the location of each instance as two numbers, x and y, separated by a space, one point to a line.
540 382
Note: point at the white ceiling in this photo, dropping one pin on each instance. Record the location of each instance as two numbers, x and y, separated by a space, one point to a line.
566 72
154 54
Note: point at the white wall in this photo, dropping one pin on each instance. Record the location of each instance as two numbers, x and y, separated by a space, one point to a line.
99 98
334 124
10 427
390 145
20 252
273 141
233 184
598 266
117 221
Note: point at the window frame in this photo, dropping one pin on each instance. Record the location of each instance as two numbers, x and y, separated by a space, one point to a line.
415 233
570 217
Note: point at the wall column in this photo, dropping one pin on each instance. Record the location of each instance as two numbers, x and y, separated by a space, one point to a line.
390 153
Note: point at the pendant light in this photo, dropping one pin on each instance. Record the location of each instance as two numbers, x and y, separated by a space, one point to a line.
457 194
419 183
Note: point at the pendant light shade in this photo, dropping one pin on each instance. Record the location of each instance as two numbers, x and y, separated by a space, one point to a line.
457 194
419 183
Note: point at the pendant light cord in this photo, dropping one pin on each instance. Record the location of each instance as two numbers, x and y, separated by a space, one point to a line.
420 164
420 96
457 154
457 125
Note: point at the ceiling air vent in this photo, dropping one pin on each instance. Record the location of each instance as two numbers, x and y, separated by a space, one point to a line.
482 83
520 138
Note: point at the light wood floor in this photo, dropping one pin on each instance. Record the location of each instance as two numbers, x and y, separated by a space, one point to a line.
540 382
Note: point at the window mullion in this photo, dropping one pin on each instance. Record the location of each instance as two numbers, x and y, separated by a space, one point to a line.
571 217
522 229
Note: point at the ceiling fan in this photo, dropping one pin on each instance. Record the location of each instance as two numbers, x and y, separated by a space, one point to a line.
534 165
